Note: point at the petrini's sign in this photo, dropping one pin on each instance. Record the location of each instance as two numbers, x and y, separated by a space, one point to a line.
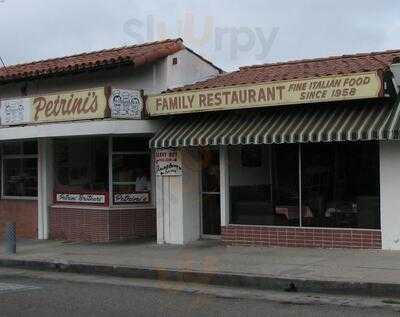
168 162
70 106
94 103
319 89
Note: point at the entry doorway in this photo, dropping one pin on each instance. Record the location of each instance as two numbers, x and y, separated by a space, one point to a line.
210 193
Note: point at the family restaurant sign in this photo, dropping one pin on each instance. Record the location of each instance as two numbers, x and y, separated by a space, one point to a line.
319 89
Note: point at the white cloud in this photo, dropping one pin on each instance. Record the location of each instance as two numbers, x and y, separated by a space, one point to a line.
40 29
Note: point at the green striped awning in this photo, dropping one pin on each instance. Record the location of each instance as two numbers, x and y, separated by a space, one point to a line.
295 124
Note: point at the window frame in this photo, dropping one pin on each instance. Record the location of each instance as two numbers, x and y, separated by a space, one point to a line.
300 202
111 175
20 156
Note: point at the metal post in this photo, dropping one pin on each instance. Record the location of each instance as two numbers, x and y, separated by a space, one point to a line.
10 239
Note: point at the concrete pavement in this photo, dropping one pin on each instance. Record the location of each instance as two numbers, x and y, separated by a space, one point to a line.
371 272
65 294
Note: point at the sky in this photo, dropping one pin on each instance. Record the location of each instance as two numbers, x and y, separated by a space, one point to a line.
230 33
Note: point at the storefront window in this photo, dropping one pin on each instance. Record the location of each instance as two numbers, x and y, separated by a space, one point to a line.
340 184
131 162
81 164
264 185
285 184
20 173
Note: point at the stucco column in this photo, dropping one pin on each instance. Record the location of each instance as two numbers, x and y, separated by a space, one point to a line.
224 185
178 202
45 185
390 194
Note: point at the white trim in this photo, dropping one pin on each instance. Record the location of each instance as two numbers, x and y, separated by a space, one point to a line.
81 128
224 185
110 208
211 237
300 187
130 152
18 198
110 173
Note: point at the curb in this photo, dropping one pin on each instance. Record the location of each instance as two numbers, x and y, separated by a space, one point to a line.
220 279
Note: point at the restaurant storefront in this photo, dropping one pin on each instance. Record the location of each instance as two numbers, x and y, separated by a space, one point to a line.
85 181
297 162
74 135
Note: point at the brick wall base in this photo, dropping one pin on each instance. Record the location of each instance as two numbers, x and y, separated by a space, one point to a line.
301 237
101 225
24 213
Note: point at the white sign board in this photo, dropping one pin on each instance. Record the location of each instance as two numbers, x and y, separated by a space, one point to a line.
168 162
81 198
16 111
126 103
131 198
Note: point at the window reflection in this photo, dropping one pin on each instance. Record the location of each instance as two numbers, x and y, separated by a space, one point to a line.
339 181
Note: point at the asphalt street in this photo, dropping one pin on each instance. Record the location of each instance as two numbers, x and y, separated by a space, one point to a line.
30 296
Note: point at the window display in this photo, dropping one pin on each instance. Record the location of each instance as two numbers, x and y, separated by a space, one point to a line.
131 170
81 164
339 186
20 171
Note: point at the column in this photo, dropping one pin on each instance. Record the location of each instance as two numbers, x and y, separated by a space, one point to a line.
390 194
178 202
45 185
224 185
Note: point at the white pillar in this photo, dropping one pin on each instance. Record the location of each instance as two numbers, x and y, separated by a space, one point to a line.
390 194
178 202
224 185
45 185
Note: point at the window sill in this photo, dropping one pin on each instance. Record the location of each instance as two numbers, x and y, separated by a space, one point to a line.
18 198
115 207
135 206
301 227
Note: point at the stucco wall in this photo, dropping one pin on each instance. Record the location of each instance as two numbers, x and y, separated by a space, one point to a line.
189 69
390 194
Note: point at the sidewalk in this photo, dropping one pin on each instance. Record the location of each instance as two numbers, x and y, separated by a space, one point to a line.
373 272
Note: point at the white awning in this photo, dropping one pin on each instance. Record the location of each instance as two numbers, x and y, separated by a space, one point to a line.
80 128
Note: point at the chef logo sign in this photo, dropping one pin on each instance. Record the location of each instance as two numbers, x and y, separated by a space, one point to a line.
126 104
168 162
15 111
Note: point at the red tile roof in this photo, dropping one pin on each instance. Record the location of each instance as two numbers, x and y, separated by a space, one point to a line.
300 69
135 54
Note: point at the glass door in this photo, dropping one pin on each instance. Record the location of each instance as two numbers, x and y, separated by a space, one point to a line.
210 195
